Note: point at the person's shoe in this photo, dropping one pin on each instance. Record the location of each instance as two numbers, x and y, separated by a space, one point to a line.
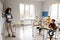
13 36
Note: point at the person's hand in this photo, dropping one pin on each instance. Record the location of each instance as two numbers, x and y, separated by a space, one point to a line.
49 26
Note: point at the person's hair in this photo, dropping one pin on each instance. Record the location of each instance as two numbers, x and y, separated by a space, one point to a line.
48 16
53 20
7 10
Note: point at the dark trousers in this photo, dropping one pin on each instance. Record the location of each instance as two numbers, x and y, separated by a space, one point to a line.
51 32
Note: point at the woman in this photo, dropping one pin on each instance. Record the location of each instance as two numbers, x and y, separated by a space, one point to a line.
9 18
48 21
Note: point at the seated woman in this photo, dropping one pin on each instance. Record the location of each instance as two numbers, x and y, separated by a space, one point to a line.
41 26
48 21
52 27
36 21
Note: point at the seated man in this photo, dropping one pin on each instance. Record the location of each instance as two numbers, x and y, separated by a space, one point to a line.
52 27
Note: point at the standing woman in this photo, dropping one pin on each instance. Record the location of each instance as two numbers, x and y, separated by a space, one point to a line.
9 18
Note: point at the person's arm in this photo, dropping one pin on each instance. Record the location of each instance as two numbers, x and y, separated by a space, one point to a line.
11 16
49 25
56 26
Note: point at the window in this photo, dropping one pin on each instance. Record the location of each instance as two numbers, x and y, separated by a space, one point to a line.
59 11
54 11
27 11
32 11
21 10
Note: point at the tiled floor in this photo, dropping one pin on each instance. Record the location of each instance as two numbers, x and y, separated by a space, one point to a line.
30 33
22 33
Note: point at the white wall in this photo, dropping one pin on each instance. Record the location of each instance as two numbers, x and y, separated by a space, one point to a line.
14 4
46 5
40 6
